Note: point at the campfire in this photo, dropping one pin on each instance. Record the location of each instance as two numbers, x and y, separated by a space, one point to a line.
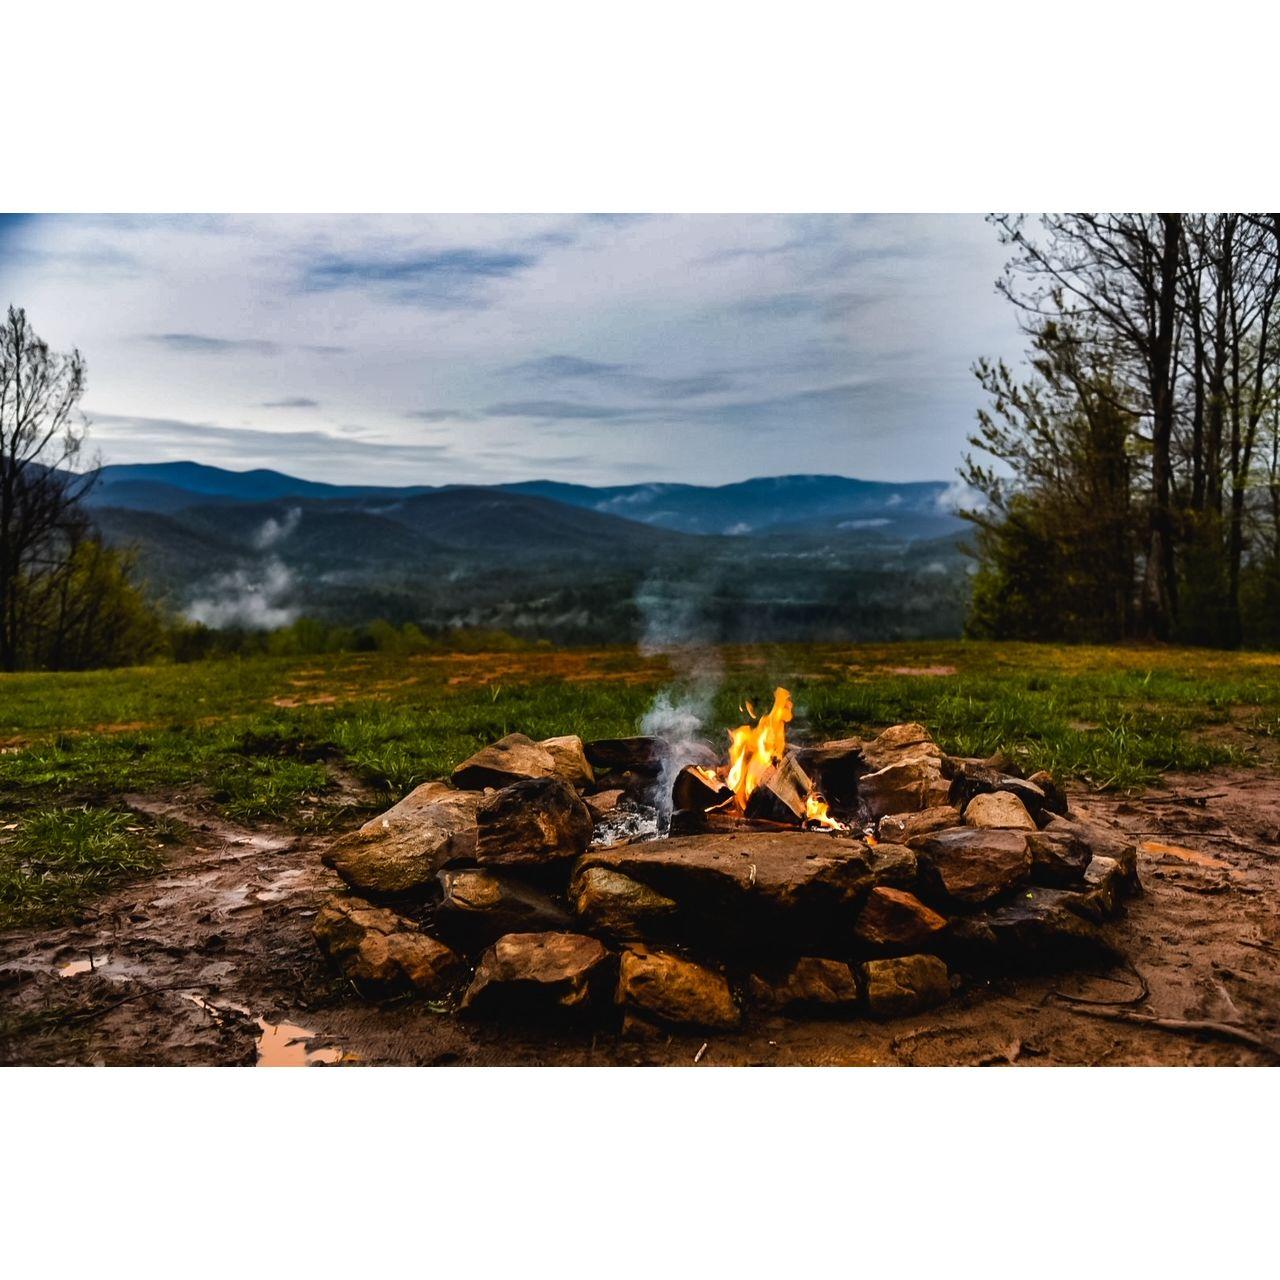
763 781
844 878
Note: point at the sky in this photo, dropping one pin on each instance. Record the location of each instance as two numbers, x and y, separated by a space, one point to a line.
599 349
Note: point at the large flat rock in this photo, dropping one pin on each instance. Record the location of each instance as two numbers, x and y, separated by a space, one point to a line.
758 885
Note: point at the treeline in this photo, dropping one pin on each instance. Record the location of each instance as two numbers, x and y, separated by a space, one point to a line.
1130 486
193 642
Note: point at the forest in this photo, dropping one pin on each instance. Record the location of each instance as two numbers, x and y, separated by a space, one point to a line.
1129 485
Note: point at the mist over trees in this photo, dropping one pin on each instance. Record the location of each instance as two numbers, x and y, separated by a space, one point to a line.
66 600
1130 484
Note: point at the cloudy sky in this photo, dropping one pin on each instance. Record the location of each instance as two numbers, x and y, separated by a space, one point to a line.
600 349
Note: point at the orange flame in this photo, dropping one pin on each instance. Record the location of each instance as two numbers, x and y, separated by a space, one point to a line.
755 749
817 811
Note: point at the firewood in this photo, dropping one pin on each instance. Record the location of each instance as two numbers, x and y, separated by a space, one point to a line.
781 793
694 790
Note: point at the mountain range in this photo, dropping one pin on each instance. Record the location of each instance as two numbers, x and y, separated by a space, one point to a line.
789 557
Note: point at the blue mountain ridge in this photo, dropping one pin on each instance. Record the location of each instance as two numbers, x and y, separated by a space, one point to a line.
799 503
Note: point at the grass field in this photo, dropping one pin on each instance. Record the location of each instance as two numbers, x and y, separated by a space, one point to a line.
275 739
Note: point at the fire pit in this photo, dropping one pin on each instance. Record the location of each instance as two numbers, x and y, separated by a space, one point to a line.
632 883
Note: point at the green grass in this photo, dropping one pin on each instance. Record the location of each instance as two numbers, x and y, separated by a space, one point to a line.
271 738
54 859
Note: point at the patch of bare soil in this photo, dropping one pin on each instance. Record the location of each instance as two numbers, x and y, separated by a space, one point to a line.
213 963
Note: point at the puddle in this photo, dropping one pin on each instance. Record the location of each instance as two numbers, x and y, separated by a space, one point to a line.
1158 848
282 1044
102 964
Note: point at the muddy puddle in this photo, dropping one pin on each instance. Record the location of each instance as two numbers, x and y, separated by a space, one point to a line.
279 1044
282 1044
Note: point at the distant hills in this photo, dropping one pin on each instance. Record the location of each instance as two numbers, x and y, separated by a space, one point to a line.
791 557
911 509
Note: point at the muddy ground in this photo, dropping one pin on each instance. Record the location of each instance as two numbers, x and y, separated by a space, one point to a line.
212 963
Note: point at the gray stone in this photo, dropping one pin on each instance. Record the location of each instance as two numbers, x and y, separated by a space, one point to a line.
1058 857
752 884
1104 840
632 755
1040 928
1055 800
1104 888
892 864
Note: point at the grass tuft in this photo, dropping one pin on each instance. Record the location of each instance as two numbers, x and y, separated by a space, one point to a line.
55 859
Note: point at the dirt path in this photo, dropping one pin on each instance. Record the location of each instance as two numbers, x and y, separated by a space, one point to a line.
213 963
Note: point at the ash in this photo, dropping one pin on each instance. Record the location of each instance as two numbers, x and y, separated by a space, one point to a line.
627 826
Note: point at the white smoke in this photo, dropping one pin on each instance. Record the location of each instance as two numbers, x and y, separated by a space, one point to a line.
274 531
253 598
678 628
247 598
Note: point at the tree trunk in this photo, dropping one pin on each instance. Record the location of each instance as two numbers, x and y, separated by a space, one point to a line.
1160 594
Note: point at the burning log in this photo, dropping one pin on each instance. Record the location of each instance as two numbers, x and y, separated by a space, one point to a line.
781 793
698 788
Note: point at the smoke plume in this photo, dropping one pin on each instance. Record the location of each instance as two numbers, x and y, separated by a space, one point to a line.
678 624
256 597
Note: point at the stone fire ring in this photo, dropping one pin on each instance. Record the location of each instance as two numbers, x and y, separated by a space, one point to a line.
527 888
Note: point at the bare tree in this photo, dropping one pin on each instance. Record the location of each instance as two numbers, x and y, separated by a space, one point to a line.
42 434
1113 280
1231 295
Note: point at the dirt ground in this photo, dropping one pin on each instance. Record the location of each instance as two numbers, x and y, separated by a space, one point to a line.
212 963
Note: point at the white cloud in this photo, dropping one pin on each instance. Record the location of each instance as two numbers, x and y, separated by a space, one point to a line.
694 348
